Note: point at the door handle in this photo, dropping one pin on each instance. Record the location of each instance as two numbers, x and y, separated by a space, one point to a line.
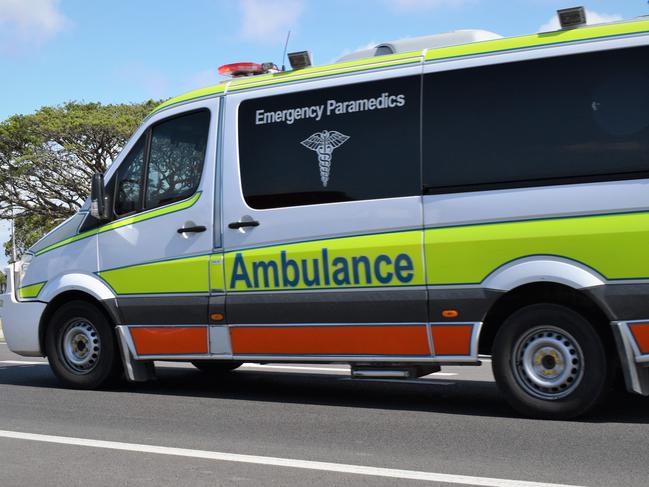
249 223
196 229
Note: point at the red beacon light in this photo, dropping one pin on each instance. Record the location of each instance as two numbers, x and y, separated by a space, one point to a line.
237 70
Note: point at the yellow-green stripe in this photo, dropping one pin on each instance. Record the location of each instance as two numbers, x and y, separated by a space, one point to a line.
184 275
539 40
31 291
476 48
126 221
613 245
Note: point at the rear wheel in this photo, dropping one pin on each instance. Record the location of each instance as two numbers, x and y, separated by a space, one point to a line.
80 346
549 362
216 366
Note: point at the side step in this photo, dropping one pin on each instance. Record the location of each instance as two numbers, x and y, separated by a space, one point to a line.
406 372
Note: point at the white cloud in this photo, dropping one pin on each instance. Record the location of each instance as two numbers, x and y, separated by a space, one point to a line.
592 17
416 5
25 23
269 20
201 79
154 82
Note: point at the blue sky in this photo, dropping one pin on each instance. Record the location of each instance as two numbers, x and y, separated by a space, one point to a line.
52 51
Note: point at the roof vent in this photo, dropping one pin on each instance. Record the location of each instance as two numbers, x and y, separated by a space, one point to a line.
411 44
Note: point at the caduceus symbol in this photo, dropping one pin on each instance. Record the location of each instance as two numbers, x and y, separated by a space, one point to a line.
324 143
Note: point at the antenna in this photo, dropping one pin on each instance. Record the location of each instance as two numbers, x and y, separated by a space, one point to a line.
13 236
288 36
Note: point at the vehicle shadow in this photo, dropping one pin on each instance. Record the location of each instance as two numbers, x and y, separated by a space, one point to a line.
457 397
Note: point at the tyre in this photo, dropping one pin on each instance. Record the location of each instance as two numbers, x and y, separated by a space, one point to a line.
81 347
216 366
550 362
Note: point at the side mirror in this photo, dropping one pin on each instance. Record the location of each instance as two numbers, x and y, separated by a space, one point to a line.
98 206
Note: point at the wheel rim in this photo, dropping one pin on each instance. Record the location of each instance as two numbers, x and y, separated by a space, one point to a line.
548 363
81 346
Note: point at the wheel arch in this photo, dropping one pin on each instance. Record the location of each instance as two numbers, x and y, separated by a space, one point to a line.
545 292
107 306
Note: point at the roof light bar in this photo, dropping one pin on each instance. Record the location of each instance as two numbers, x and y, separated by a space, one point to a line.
236 70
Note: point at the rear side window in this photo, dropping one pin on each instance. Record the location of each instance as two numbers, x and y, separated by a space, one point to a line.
176 158
551 121
347 143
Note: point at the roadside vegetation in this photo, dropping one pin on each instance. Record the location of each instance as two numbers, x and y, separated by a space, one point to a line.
47 160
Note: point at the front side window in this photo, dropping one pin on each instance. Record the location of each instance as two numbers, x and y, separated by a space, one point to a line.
346 143
167 161
176 158
129 180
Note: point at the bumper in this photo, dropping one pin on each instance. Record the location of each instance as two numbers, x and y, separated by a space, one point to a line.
21 322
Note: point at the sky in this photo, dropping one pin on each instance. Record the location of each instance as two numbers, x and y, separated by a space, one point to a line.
115 51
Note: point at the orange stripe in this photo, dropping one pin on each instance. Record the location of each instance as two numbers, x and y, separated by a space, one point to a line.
169 340
641 334
452 340
331 340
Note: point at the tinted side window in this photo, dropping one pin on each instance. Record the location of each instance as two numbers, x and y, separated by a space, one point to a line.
176 158
129 180
580 117
346 143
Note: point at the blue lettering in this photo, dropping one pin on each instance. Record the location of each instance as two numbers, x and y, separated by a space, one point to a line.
380 276
289 264
239 272
316 273
356 261
265 268
341 272
403 268
325 267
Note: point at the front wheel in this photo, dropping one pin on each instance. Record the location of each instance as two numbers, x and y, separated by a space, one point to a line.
80 346
550 362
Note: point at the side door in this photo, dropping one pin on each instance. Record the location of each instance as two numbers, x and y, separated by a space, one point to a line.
323 219
155 253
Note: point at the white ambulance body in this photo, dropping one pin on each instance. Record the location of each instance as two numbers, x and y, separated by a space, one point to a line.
397 213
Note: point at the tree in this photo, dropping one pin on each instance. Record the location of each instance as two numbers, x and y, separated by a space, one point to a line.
47 160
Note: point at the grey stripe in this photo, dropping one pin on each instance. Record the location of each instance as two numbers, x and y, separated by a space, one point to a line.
367 306
163 310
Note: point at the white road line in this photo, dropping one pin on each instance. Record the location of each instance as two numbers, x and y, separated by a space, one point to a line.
279 462
21 362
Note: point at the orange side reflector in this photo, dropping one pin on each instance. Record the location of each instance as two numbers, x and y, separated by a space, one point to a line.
450 313
641 334
452 339
217 317
331 340
169 340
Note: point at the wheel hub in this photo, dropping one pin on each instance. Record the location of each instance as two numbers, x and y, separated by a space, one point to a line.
548 362
81 346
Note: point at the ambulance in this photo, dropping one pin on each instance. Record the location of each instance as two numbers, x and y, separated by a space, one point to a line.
424 203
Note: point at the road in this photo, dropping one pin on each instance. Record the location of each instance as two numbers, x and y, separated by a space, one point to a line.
303 425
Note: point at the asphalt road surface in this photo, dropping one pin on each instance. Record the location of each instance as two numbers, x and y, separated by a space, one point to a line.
303 425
